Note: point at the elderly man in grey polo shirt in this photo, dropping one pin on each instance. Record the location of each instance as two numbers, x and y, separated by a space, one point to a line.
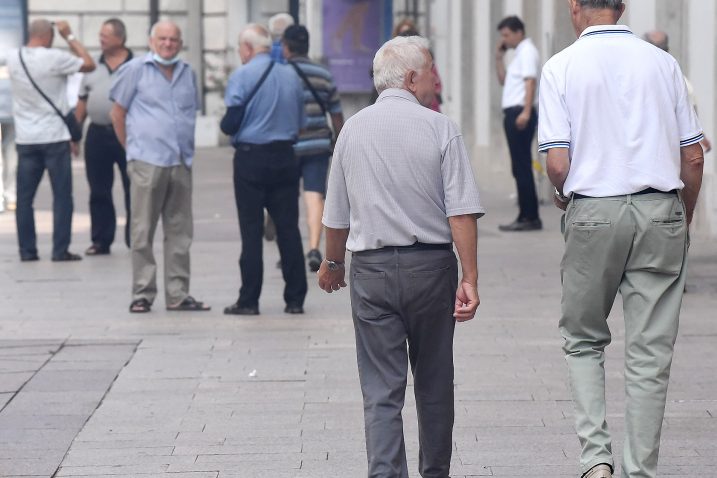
154 113
401 191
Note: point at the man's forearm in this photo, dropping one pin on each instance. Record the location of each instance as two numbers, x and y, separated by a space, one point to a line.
81 111
558 167
119 115
692 164
78 49
464 229
336 244
500 70
530 86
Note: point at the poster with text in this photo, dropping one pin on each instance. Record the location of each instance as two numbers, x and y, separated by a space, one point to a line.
353 31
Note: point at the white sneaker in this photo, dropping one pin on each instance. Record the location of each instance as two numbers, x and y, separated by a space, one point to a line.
599 471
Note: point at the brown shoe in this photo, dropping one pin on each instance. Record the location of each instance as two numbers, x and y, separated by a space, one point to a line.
599 471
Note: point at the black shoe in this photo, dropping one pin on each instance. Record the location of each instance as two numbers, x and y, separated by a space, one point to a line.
67 257
522 225
314 259
236 309
293 309
29 258
97 250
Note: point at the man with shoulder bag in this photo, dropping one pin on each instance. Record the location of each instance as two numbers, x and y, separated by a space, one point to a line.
44 128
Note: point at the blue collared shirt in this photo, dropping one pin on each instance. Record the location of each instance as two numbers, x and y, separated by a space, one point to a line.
161 114
276 113
277 52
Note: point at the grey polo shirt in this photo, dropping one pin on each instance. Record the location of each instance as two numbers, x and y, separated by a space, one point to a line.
399 171
95 89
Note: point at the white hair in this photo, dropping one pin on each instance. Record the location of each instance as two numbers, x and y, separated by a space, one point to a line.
257 36
396 58
153 30
278 23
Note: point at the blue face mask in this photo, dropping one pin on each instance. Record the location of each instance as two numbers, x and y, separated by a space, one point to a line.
164 62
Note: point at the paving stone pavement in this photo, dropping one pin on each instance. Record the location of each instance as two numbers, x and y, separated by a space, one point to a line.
87 389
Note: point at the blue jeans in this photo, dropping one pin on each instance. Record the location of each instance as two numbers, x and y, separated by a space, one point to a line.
33 159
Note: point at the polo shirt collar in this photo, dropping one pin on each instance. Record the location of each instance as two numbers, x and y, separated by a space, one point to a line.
102 61
606 30
397 93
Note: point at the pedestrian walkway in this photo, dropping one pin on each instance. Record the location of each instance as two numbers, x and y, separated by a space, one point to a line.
87 389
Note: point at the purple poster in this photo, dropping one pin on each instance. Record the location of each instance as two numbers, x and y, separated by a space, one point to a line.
352 34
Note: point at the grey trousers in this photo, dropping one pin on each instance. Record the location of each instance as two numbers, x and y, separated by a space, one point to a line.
636 245
402 303
167 193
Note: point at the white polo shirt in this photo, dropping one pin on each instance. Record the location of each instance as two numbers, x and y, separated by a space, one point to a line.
525 65
621 106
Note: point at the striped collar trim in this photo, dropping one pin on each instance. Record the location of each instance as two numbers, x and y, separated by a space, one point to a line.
606 30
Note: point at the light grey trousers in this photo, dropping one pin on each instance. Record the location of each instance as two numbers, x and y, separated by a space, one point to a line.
636 245
402 303
167 193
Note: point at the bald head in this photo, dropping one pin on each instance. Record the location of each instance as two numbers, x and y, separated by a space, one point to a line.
41 31
659 39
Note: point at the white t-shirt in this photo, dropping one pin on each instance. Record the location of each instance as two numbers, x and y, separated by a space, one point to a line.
621 106
35 120
525 65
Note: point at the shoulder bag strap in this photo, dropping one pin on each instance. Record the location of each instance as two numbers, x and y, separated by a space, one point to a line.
308 84
29 77
258 85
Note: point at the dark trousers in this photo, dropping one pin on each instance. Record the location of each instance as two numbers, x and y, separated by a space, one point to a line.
520 144
33 159
267 176
102 152
402 303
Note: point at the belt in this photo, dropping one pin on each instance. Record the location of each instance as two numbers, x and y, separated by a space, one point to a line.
512 108
108 127
274 145
416 246
639 193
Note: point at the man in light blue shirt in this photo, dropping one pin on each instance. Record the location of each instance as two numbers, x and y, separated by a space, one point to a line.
154 112
277 25
265 112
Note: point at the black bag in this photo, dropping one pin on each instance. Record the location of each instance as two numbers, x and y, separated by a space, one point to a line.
70 121
232 120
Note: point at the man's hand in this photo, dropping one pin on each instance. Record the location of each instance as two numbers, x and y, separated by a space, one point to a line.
500 51
63 28
467 301
706 145
75 148
331 280
521 122
560 203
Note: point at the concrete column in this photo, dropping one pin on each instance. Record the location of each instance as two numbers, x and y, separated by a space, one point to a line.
483 48
194 38
701 42
454 106
513 7
237 18
315 23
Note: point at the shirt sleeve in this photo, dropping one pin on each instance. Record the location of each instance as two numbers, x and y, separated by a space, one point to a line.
337 210
85 89
234 95
554 120
124 84
688 125
530 64
459 185
63 63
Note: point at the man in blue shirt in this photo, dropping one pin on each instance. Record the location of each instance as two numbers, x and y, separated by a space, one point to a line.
264 128
154 113
277 25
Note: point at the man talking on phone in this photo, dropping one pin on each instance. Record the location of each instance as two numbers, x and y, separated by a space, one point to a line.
519 83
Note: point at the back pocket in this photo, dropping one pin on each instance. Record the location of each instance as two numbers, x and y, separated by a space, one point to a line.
368 295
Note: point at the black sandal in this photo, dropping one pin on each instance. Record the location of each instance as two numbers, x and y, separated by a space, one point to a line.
189 304
140 306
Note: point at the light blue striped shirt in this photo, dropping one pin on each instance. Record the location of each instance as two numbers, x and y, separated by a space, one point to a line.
161 113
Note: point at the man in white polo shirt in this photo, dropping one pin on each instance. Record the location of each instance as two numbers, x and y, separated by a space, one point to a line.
520 119
624 155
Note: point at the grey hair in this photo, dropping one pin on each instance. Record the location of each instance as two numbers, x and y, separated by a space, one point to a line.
118 28
278 23
396 58
601 4
153 30
659 39
257 36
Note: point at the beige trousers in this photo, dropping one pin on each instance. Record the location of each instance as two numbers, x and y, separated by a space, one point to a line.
167 193
636 245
